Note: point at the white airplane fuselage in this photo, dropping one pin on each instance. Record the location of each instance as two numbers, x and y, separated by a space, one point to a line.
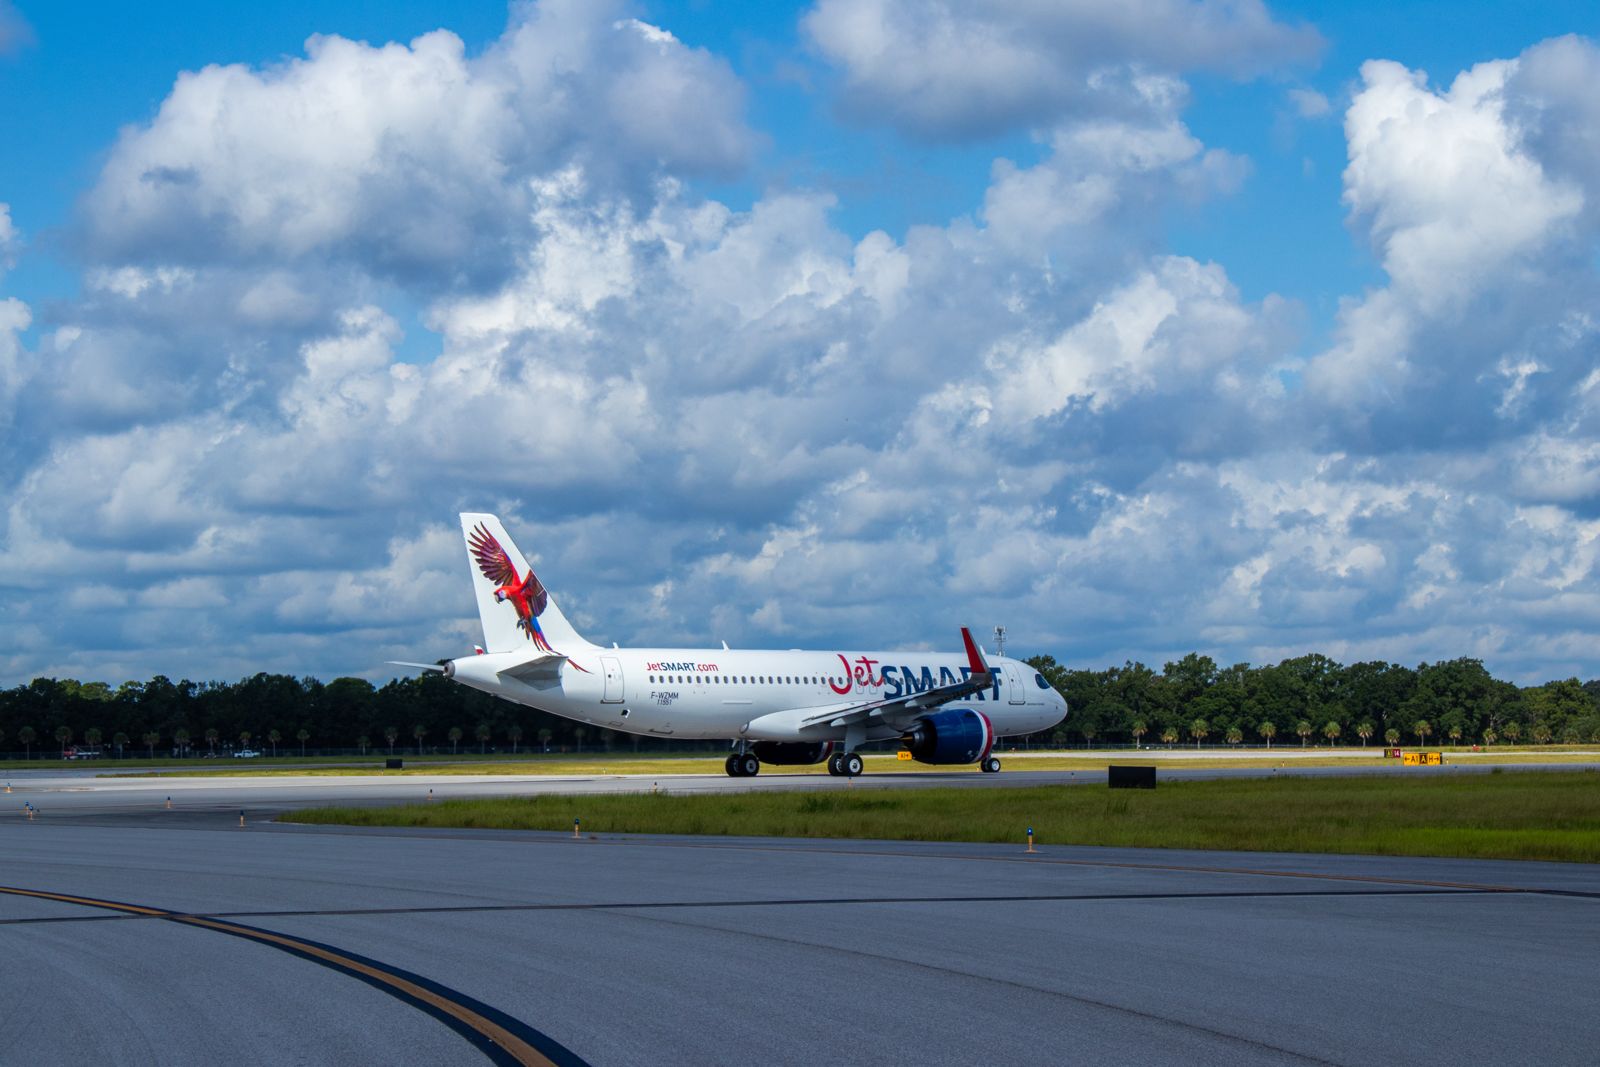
753 694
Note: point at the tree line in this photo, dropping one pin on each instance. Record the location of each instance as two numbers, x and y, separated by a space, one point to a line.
280 715
1312 699
1306 700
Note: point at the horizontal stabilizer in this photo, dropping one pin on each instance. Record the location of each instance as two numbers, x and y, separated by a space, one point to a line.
419 666
539 666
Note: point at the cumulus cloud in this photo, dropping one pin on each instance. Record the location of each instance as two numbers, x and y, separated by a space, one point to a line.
1476 199
946 70
409 159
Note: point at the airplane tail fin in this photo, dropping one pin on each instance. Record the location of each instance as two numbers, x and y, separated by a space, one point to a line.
516 609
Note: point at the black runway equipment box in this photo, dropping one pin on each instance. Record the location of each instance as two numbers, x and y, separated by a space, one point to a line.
1131 777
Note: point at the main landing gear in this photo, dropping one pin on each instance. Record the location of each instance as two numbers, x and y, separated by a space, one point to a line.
990 765
742 765
845 764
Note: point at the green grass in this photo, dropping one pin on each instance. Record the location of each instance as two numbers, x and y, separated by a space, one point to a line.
1510 815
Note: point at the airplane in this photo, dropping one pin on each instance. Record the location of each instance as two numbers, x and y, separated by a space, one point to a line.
783 708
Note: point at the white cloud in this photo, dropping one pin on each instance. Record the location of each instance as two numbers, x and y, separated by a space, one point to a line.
1476 199
952 70
1449 193
410 159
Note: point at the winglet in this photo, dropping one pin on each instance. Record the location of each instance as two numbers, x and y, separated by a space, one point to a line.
975 658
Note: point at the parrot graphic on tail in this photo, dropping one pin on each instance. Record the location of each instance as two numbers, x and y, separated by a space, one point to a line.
526 594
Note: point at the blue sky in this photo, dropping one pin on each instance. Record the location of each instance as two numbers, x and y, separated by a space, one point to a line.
1140 327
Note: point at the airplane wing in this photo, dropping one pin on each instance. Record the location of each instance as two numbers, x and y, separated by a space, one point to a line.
889 709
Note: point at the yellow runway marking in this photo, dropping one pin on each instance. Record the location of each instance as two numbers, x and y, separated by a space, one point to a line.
511 1048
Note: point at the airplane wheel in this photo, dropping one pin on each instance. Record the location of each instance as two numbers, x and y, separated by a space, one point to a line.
749 766
851 765
732 766
834 764
990 765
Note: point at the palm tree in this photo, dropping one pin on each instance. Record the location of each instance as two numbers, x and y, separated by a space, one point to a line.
119 739
92 736
1513 732
577 736
1455 734
1139 730
1269 730
244 738
303 735
211 740
1088 732
1391 737
515 733
1303 728
455 738
389 734
1489 736
1198 730
1234 735
1364 730
545 734
27 737
274 736
63 735
1541 734
1169 736
1422 728
419 731
180 738
482 734
363 741
150 738
1331 731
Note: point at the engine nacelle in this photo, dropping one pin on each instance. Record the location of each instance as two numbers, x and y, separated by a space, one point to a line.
791 753
953 735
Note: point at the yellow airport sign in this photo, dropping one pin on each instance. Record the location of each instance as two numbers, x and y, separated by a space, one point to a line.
1422 759
902 754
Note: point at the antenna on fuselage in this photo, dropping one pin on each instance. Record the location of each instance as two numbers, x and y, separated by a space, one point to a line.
1000 641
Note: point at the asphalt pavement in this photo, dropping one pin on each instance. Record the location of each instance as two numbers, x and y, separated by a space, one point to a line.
128 941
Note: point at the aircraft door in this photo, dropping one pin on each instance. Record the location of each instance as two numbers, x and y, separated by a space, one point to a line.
612 667
1015 691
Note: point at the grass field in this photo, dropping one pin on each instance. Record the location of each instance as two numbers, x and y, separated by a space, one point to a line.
877 763
1502 815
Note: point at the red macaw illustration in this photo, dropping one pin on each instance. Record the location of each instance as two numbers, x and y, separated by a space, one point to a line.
527 595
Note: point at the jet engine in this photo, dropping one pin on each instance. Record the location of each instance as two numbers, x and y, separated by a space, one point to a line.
791 753
952 735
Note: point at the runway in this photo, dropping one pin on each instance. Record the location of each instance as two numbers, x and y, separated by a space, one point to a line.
83 794
639 950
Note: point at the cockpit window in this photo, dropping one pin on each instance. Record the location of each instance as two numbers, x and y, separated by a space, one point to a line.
1038 680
